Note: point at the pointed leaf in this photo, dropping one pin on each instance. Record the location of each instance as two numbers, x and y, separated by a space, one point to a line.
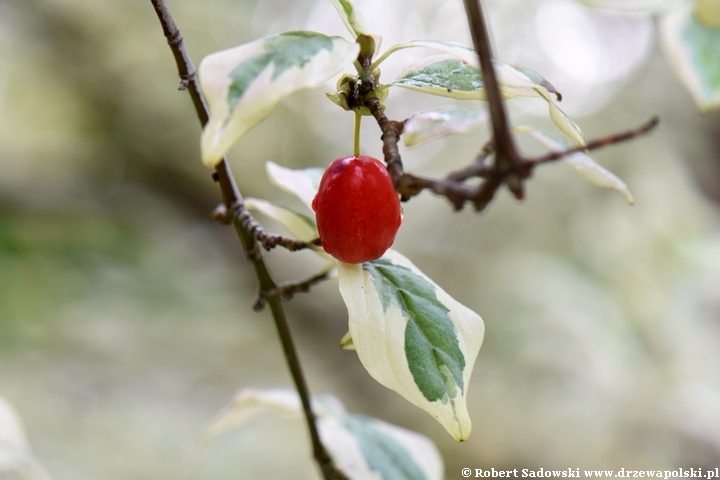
356 25
361 447
509 76
443 75
563 122
432 124
448 76
582 164
694 49
300 226
249 403
302 183
412 337
242 85
366 448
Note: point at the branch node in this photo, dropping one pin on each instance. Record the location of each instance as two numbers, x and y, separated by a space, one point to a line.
287 290
186 79
174 38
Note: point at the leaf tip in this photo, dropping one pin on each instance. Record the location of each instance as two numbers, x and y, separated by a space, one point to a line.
629 198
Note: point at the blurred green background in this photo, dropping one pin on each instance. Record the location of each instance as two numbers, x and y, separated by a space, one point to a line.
125 313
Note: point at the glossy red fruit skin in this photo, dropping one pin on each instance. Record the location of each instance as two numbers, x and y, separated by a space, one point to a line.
357 209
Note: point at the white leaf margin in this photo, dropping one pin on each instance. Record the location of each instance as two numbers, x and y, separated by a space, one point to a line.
250 402
581 163
513 82
354 21
224 127
433 124
303 184
342 444
379 339
368 319
672 28
300 227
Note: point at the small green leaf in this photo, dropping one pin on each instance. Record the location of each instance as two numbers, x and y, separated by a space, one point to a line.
582 164
412 337
302 183
242 85
432 124
694 49
346 342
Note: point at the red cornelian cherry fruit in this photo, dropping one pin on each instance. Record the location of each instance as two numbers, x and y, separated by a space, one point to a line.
357 209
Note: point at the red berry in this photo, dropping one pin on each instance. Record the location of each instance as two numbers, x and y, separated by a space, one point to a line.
357 209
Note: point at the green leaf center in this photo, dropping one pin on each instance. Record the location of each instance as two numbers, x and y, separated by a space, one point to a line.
431 344
284 51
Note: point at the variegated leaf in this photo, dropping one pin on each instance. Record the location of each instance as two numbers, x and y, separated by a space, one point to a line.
363 448
468 55
412 337
582 164
242 85
356 25
694 51
367 448
515 81
432 124
562 121
445 76
302 183
250 402
456 75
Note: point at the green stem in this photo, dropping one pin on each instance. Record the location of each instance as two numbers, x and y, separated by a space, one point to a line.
389 52
356 144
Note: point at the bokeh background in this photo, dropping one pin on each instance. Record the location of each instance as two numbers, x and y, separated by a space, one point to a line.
125 313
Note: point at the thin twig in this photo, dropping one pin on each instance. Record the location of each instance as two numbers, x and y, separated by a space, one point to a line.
288 289
268 240
478 168
597 143
507 167
231 196
506 152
